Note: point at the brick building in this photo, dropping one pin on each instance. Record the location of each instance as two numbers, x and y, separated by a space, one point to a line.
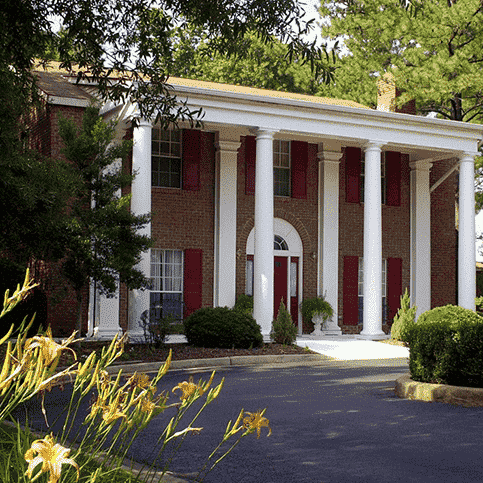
290 196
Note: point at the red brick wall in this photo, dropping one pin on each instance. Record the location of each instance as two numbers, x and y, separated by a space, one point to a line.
185 219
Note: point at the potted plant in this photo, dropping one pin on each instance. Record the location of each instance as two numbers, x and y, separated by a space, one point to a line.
317 310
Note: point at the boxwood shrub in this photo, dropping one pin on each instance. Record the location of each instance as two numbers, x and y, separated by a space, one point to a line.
222 327
446 347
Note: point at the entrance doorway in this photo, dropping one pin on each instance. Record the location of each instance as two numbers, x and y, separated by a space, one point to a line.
287 267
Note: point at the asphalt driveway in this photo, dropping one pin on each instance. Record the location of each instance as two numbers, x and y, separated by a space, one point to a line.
335 421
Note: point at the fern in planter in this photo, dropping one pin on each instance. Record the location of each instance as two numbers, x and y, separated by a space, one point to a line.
316 306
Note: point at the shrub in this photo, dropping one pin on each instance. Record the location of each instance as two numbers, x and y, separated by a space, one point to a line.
446 347
244 304
222 327
404 319
479 304
155 327
283 329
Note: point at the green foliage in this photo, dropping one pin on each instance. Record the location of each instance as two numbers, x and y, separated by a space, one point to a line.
244 304
265 65
316 306
283 329
479 304
103 242
222 327
446 347
404 319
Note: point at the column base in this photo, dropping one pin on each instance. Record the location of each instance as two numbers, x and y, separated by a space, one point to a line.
376 336
105 333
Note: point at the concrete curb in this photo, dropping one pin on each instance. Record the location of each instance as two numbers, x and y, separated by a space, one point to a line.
299 359
406 388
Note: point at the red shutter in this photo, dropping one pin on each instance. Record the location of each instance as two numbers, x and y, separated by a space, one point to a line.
192 280
394 287
191 159
353 174
300 159
350 287
393 178
250 157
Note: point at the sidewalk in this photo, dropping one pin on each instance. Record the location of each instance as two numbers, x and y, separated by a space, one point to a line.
349 348
345 347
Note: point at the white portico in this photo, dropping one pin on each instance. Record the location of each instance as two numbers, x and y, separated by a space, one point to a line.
333 126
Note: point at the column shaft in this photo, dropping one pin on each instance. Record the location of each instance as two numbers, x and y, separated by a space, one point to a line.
329 226
141 204
466 239
420 287
372 312
225 270
263 263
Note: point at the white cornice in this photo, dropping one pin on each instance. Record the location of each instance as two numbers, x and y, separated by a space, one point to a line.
349 124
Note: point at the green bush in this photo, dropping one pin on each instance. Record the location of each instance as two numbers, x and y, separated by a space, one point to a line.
283 329
479 304
222 327
244 304
404 319
446 347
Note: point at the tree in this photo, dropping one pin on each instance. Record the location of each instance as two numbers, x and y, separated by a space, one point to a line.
432 48
264 65
102 238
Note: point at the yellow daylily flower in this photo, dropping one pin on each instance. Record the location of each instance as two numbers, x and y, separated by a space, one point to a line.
52 456
49 349
140 380
256 421
189 388
112 413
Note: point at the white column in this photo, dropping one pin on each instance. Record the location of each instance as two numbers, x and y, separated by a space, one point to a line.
263 257
372 314
141 204
329 161
466 239
225 269
420 280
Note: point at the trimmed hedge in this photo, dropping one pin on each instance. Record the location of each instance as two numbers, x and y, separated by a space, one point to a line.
446 347
223 328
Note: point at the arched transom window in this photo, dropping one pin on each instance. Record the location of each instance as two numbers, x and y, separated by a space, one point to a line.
279 243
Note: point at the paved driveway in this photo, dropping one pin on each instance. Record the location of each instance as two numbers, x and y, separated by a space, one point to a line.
337 421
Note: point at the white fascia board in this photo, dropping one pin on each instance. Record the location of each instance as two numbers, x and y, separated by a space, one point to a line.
348 124
68 101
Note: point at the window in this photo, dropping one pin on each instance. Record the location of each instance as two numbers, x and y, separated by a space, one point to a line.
361 290
279 243
281 167
167 283
249 276
166 158
383 177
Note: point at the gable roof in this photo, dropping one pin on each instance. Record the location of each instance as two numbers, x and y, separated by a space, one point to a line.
61 83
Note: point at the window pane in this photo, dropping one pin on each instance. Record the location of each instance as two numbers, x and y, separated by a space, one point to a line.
249 278
293 279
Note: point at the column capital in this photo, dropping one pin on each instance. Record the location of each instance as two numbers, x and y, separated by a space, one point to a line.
328 155
421 165
263 132
373 144
144 123
467 156
227 146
